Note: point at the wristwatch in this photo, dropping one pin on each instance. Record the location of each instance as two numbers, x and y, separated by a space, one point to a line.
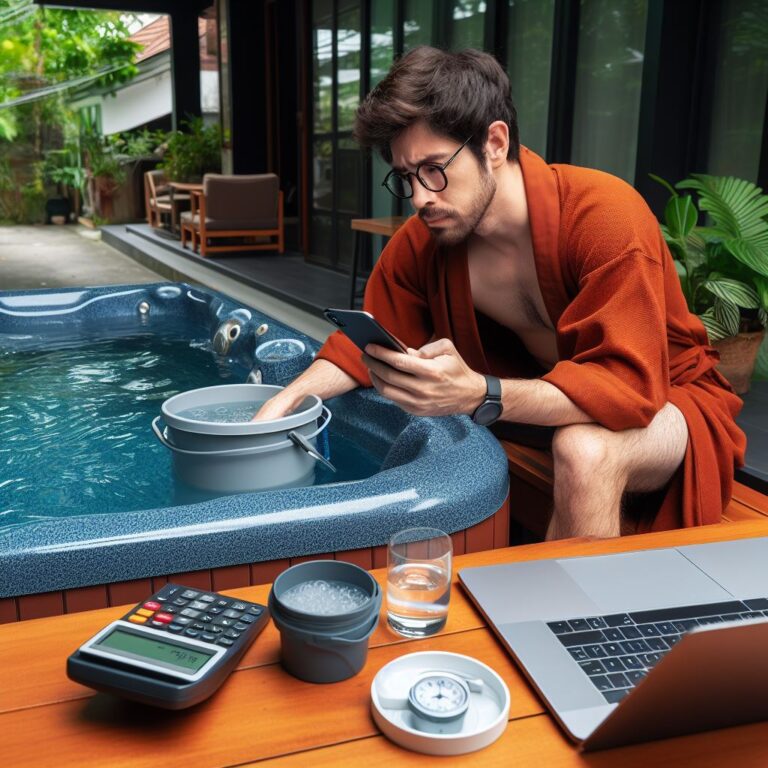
490 409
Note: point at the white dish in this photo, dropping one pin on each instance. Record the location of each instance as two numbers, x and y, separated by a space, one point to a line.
483 723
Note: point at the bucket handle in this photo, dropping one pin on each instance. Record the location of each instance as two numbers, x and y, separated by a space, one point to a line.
320 641
160 435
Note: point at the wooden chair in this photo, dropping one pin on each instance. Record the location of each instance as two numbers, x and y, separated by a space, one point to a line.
157 197
249 208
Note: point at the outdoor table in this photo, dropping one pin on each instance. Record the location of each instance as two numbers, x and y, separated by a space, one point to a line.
385 226
261 713
184 187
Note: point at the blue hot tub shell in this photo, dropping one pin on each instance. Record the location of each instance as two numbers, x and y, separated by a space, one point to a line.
443 472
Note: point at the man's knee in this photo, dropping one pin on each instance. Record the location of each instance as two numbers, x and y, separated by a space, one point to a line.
582 450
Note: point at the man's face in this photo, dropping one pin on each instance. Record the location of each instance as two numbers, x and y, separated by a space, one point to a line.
453 214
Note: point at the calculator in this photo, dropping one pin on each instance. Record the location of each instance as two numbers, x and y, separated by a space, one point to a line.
172 650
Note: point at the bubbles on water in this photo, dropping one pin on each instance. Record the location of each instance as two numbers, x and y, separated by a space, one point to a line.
324 598
228 413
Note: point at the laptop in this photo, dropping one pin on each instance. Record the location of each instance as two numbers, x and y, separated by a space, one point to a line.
637 646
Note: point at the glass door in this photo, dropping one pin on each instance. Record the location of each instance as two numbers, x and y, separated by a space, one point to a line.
338 170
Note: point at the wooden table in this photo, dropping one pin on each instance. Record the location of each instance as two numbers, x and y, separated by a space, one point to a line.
385 226
185 188
263 714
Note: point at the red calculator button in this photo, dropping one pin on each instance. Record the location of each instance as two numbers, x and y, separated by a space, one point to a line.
163 618
152 606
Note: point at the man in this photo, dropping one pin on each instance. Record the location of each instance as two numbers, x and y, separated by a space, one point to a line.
549 285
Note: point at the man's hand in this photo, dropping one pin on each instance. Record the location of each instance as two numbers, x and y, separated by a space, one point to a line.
431 381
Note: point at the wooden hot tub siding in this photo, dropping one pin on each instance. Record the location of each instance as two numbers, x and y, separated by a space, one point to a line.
492 533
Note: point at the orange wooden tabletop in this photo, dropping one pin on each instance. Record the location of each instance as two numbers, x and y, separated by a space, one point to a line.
386 225
262 714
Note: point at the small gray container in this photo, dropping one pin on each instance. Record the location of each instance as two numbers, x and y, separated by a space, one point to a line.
321 648
241 456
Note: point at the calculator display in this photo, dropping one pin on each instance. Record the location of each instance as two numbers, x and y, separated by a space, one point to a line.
164 653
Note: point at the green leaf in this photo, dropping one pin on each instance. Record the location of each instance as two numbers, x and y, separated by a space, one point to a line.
728 315
715 329
761 286
664 183
681 215
733 291
754 254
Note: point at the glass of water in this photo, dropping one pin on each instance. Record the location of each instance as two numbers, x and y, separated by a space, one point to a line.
418 581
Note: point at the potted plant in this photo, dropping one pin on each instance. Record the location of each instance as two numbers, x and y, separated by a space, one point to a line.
105 172
63 169
193 152
723 267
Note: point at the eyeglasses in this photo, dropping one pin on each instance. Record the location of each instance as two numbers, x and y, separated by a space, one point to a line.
431 176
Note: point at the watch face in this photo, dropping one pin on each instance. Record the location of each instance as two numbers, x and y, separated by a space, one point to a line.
487 413
440 695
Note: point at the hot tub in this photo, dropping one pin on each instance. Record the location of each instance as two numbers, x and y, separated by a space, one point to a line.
78 539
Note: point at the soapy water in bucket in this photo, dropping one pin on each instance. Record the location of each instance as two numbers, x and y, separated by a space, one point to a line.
223 413
324 598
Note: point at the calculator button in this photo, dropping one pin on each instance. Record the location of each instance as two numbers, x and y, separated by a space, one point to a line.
198 625
247 618
144 612
180 601
255 610
191 632
182 620
170 609
158 624
207 618
214 610
240 626
221 621
225 641
189 594
189 612
208 637
231 614
138 619
175 627
231 633
222 603
199 605
164 618
151 605
207 598
214 629
239 606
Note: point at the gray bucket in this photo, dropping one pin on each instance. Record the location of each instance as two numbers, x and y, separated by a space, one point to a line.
242 456
321 648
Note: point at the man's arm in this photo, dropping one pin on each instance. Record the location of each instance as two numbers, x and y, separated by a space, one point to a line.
322 378
435 381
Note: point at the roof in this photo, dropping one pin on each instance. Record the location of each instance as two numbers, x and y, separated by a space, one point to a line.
156 39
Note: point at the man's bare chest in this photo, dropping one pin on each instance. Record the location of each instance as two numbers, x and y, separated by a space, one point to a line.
507 290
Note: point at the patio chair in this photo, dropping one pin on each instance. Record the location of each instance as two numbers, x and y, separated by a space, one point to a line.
249 208
161 199
157 197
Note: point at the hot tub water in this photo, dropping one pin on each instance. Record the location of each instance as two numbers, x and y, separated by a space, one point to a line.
75 417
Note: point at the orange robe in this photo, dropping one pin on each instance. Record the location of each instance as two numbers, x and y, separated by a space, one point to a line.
626 342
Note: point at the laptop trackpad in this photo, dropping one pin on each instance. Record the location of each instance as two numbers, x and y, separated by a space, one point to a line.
638 581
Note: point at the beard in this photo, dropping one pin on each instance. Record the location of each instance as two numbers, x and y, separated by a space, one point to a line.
463 225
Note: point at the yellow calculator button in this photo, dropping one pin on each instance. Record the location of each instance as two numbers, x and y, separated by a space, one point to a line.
137 619
144 612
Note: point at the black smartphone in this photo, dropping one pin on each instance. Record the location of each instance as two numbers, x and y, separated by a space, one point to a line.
363 328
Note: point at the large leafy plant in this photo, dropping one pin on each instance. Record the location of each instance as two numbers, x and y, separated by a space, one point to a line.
723 266
192 152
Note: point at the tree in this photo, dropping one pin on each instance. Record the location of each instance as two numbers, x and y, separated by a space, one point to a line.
41 50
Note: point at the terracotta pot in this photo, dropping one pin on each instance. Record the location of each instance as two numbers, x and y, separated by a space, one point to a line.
737 358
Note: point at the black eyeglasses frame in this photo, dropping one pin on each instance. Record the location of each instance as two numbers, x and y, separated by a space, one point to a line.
405 176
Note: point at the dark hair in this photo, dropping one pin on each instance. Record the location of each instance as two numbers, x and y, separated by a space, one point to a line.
458 94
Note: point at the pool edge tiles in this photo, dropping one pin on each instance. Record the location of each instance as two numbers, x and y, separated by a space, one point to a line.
444 472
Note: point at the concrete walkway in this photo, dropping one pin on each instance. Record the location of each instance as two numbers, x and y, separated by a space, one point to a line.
59 257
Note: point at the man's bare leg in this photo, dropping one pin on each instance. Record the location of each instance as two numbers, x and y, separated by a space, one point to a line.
594 467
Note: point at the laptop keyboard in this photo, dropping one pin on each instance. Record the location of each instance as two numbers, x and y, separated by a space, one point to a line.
617 651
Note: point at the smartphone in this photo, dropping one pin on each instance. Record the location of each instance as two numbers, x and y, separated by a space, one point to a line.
362 328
